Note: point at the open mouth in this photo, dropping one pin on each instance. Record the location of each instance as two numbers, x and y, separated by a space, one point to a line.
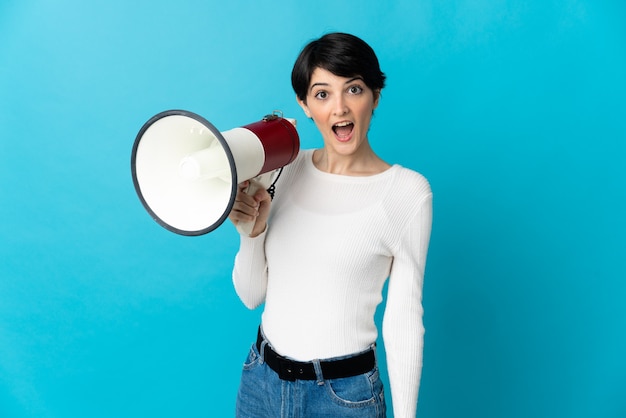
343 129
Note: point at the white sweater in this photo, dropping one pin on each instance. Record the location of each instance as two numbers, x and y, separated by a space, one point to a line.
320 267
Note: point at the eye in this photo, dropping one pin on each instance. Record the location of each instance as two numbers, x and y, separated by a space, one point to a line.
355 89
321 95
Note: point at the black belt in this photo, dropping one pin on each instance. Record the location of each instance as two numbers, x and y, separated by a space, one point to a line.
331 369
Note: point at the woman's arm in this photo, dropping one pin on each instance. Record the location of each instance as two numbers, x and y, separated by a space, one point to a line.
403 329
250 270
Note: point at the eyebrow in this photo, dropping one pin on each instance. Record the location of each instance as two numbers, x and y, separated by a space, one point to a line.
326 84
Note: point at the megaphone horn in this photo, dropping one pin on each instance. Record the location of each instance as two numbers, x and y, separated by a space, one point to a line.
186 172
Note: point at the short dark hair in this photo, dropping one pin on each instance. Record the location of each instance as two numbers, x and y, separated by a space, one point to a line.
342 54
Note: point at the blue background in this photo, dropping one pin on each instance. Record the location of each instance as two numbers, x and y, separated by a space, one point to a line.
513 109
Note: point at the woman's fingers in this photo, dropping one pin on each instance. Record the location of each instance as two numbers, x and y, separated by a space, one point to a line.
245 207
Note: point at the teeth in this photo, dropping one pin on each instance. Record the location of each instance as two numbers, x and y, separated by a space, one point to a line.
343 124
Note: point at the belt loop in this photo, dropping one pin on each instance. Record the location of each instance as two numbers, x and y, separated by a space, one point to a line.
262 351
264 342
318 372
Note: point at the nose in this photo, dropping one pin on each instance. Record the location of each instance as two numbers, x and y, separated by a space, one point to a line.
340 107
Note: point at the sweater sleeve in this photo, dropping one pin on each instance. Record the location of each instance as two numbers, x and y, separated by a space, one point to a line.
402 327
250 271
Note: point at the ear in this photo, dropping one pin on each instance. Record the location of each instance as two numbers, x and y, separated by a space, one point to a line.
376 98
304 107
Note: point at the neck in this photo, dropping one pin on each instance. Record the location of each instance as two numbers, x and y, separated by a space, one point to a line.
362 163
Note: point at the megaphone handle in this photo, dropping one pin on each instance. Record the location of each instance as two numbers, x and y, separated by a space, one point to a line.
261 181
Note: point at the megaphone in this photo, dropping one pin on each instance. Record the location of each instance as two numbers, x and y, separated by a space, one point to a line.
186 172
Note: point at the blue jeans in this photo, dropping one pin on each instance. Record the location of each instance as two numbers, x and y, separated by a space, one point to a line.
262 394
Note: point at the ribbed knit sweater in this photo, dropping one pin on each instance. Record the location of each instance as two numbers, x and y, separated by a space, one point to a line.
320 267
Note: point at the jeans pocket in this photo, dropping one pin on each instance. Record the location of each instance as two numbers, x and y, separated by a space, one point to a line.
253 359
357 391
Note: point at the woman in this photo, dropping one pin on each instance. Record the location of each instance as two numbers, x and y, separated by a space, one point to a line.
342 221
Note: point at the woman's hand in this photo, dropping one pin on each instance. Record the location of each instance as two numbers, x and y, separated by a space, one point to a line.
251 208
